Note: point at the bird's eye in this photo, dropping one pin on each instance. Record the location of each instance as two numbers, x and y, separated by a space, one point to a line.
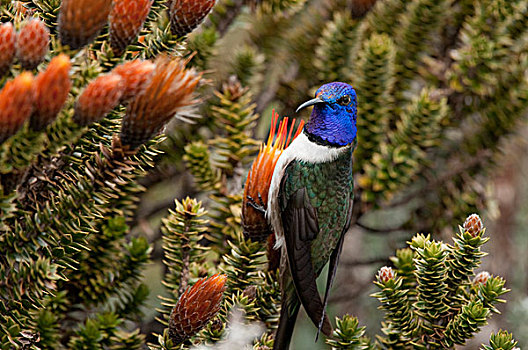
345 100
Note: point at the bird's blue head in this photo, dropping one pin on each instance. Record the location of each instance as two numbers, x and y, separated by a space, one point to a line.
333 119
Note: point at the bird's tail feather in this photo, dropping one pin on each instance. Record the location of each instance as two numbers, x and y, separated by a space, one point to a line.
288 316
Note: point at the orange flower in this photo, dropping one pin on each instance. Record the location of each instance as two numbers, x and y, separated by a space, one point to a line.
16 104
473 225
195 308
126 19
258 180
80 21
169 90
51 89
385 274
32 43
481 278
7 46
185 15
98 99
135 75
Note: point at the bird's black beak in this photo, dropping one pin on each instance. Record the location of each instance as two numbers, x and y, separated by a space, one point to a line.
309 103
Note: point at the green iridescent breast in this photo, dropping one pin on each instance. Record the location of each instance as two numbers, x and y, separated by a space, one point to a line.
329 187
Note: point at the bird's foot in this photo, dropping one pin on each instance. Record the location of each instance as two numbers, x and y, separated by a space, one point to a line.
260 206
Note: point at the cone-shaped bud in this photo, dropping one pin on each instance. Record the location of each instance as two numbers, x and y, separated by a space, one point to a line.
185 15
169 89
473 225
135 75
98 99
385 274
16 104
196 306
32 43
126 19
7 46
258 181
51 88
481 278
80 21
361 7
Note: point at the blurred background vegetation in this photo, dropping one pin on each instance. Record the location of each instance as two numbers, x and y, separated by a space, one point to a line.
442 93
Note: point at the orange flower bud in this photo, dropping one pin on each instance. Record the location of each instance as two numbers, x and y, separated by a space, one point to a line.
32 43
51 90
7 46
135 76
16 104
385 274
185 15
481 278
80 21
98 99
126 19
473 225
258 181
195 308
169 89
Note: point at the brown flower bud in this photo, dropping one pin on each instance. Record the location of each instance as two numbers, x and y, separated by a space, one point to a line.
126 19
473 225
385 274
16 104
80 21
195 308
7 46
481 278
135 75
169 90
185 15
258 181
98 99
51 90
32 43
360 7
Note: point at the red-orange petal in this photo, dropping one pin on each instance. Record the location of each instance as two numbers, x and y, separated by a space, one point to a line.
16 104
195 307
51 88
98 99
258 181
169 89
126 19
7 46
136 75
80 21
32 43
186 15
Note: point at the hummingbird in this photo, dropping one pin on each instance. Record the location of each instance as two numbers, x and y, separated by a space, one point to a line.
310 205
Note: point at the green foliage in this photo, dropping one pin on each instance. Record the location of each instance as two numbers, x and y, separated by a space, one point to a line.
501 340
348 335
374 72
418 24
446 309
395 301
403 155
441 86
233 113
463 259
334 47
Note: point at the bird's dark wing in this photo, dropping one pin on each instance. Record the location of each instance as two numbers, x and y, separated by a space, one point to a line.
300 224
334 261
